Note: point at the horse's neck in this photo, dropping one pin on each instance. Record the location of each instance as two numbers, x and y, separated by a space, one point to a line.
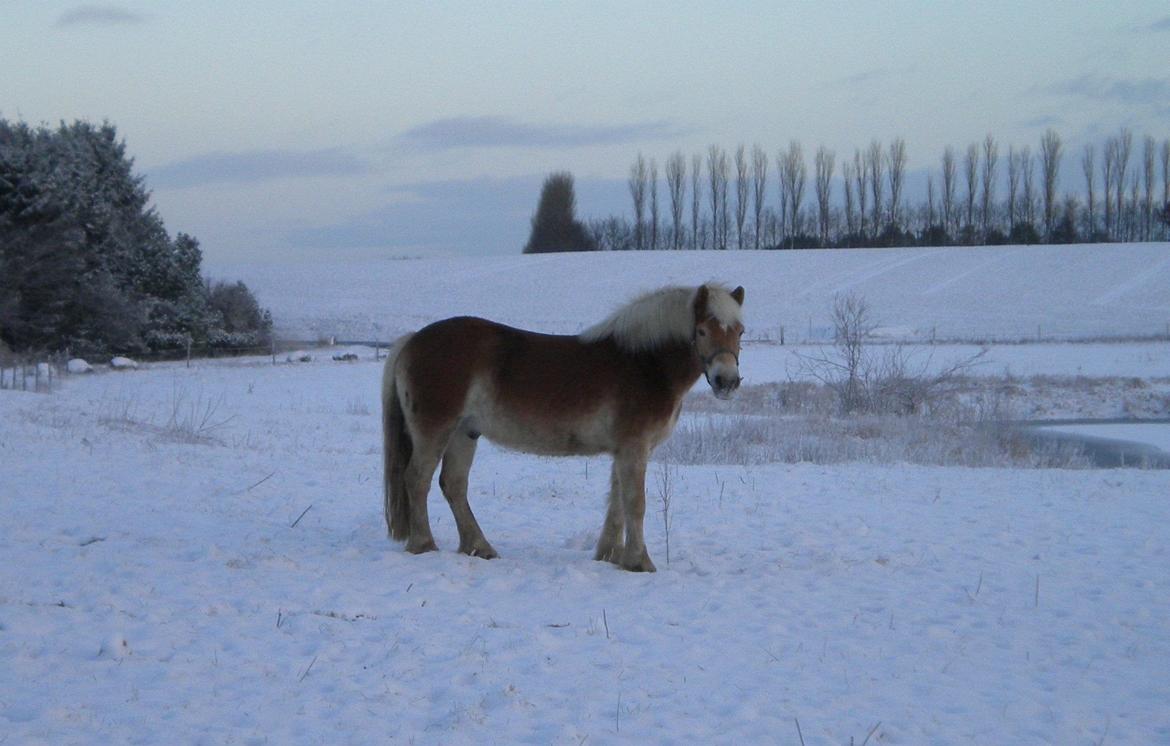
681 366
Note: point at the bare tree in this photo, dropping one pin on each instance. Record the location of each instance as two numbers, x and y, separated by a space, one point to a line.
861 174
793 176
1089 169
1135 206
741 194
1164 153
990 159
873 157
759 187
929 202
971 174
1124 147
847 182
1027 171
637 184
717 173
948 190
1013 186
676 185
1108 177
653 204
896 160
1149 147
1050 147
696 198
825 159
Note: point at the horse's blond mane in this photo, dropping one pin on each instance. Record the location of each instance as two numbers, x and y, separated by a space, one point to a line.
662 316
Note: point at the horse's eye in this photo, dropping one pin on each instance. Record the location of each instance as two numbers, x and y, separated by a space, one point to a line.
702 332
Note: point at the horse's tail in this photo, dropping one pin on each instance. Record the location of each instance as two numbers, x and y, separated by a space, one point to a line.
396 449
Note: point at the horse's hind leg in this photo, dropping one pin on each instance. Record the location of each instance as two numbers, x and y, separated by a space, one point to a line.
609 546
419 473
453 481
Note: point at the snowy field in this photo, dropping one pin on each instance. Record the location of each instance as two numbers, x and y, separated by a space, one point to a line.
199 556
965 294
157 580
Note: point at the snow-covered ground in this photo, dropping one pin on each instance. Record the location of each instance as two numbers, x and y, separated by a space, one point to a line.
199 553
980 293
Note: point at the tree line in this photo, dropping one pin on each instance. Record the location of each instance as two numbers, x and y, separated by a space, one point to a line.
977 195
86 263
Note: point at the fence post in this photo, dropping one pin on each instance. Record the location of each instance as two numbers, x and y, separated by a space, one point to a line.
272 342
781 336
188 351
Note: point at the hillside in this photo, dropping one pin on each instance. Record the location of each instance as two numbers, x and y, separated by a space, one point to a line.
1010 292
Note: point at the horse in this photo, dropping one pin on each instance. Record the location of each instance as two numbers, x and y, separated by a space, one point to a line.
615 388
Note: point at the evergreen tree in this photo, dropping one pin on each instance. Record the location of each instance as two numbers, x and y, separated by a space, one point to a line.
555 226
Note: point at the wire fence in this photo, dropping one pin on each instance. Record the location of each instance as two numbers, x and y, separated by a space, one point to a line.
42 372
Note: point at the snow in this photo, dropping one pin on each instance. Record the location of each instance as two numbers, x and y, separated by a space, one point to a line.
200 552
962 293
157 579
77 365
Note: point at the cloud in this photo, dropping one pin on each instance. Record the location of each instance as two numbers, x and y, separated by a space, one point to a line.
257 165
469 216
1160 25
495 132
873 75
1153 92
98 15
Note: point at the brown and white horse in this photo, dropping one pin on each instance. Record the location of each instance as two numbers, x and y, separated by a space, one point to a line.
615 388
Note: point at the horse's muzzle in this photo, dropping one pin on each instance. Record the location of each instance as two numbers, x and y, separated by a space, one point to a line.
723 386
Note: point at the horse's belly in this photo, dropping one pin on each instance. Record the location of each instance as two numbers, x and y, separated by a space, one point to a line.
537 435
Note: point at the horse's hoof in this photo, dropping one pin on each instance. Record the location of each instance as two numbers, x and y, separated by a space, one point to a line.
642 564
480 549
421 546
607 554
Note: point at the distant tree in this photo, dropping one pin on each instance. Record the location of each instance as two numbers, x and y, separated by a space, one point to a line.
639 175
1149 149
1013 166
676 167
850 209
1050 154
759 187
1089 169
876 167
696 198
741 194
861 176
1124 147
555 226
717 172
896 162
950 214
793 176
824 182
1028 195
987 201
240 320
1108 177
653 204
971 173
1164 155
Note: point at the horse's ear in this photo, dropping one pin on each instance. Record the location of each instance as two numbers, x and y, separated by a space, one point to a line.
701 303
738 295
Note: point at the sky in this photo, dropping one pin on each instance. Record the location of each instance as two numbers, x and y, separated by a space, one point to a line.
277 131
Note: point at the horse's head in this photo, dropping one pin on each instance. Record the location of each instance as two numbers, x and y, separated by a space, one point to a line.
718 328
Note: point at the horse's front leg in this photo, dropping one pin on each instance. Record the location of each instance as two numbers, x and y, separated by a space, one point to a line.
631 470
609 546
